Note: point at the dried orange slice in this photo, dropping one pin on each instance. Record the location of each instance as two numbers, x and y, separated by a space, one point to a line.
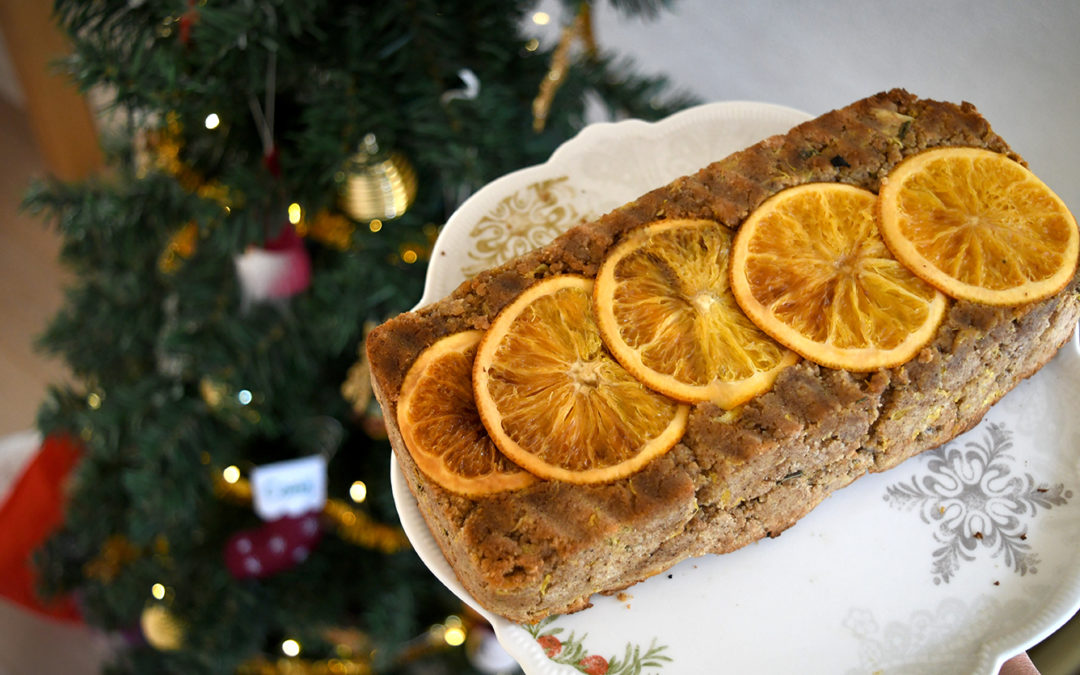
979 226
665 310
809 267
441 427
556 402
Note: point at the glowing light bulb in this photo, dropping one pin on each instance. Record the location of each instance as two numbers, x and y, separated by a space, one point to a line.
244 396
454 632
358 491
294 213
409 256
212 121
158 591
290 647
231 474
94 400
375 225
541 18
454 636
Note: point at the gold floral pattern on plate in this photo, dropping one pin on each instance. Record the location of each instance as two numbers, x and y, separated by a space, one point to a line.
522 221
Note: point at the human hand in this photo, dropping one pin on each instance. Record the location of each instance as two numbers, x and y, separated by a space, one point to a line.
1019 665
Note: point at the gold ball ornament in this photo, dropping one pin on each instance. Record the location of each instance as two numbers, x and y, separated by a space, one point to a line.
162 630
377 185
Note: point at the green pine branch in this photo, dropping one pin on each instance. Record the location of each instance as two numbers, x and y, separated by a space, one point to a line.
162 353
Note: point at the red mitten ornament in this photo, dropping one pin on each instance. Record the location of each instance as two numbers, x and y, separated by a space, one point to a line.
278 270
274 547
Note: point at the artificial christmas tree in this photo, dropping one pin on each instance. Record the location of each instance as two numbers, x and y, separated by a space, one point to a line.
278 174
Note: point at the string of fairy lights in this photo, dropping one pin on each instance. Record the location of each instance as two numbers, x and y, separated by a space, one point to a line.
164 632
374 186
377 185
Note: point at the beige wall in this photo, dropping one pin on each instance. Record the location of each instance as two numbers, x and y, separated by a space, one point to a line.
10 90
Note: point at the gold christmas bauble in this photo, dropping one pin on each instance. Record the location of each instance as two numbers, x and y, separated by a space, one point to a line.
377 185
162 630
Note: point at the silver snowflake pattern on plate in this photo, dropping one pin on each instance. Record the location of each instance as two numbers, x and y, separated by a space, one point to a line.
925 640
975 497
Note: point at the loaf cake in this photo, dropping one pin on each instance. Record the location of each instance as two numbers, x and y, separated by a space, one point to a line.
737 475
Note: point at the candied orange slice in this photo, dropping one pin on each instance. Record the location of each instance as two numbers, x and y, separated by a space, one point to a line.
810 269
556 402
979 226
441 428
665 310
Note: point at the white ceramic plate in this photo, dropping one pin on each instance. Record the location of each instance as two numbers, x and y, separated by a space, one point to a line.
949 563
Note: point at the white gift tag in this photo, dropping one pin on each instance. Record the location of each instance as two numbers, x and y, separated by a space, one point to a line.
289 488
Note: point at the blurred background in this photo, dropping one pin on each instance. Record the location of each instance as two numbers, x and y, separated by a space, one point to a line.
1017 62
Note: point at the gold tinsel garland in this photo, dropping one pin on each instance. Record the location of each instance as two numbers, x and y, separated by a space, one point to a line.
295 666
352 650
331 229
580 28
116 552
356 389
180 247
160 150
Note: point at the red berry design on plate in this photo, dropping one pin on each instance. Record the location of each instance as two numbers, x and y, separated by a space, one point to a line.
551 644
570 650
594 664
